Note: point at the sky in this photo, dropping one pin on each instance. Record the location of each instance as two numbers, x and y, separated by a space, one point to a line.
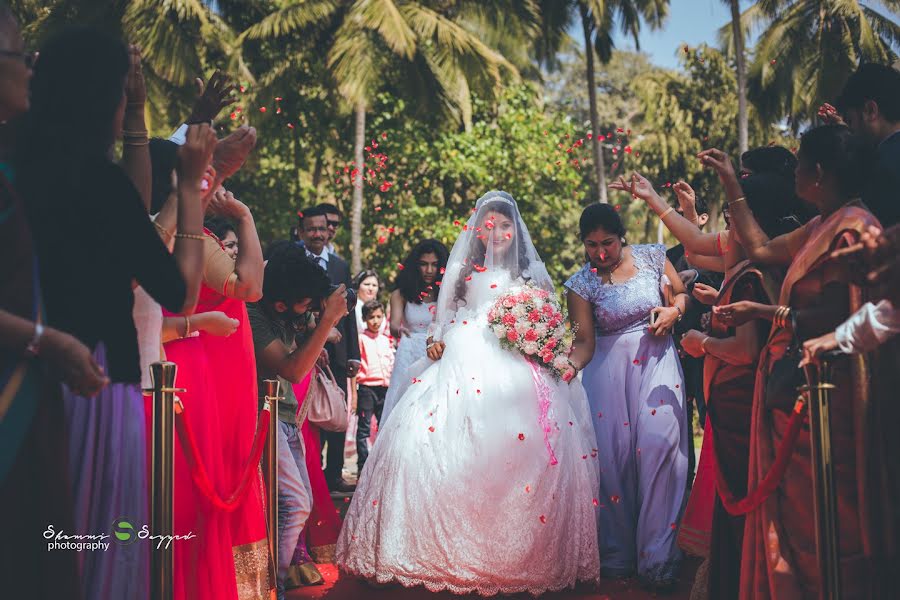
690 21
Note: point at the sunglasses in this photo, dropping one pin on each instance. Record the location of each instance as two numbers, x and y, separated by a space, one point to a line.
334 224
29 58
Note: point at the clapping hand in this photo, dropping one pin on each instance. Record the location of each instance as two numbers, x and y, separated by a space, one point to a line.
212 97
233 150
226 205
195 155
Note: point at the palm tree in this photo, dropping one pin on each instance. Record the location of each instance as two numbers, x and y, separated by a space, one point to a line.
741 71
423 46
809 48
597 20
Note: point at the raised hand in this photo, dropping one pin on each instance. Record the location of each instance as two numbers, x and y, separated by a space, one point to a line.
224 204
638 186
212 97
135 87
687 200
195 155
829 115
335 307
719 162
232 151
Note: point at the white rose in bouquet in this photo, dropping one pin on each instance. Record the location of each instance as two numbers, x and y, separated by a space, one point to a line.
500 331
522 327
542 329
519 310
560 332
530 348
560 362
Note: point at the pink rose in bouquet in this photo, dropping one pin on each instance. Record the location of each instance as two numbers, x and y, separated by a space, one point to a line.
530 321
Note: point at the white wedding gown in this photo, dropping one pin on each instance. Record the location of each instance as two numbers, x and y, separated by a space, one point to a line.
459 492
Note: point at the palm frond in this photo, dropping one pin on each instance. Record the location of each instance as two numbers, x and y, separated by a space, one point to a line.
292 18
384 17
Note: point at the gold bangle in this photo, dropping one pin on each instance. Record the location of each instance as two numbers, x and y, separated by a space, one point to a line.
777 318
736 200
135 142
666 213
190 236
703 345
187 326
134 132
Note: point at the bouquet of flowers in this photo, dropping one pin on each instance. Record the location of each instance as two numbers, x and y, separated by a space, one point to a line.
531 321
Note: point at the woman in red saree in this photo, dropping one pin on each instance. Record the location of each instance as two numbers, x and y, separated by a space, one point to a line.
230 557
730 358
779 557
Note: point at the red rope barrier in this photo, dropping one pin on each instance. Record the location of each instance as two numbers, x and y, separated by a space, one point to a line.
198 470
773 478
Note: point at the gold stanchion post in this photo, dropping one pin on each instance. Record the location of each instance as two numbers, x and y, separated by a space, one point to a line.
270 466
819 386
162 507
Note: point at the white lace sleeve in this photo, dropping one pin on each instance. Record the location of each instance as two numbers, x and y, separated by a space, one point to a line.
868 328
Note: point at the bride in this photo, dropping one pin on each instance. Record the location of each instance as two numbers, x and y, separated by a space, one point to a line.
466 491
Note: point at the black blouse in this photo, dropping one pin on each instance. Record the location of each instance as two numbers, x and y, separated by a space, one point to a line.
92 244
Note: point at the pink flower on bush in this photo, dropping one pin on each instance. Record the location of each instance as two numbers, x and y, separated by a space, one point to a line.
508 319
531 335
511 335
534 316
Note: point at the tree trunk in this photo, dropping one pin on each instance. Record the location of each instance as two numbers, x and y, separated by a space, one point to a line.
599 167
741 65
358 182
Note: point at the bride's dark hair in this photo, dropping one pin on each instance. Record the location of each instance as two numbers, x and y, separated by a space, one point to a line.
478 249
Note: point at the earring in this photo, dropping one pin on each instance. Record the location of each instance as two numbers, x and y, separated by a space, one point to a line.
622 239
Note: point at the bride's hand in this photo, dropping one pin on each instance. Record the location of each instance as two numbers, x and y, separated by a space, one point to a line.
434 350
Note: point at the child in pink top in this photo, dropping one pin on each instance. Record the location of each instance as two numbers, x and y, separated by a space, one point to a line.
376 353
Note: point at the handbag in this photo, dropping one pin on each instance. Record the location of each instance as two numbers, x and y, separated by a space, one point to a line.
326 402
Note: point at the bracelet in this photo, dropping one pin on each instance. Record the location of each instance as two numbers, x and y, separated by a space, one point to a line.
736 200
191 236
33 347
135 142
666 213
680 313
782 313
134 132
187 326
703 345
162 230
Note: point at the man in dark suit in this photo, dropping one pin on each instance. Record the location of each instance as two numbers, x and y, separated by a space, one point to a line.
870 106
343 356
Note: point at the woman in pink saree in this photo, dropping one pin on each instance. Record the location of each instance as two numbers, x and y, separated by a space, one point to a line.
229 558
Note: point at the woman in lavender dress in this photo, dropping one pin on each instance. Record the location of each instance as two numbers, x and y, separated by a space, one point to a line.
635 388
